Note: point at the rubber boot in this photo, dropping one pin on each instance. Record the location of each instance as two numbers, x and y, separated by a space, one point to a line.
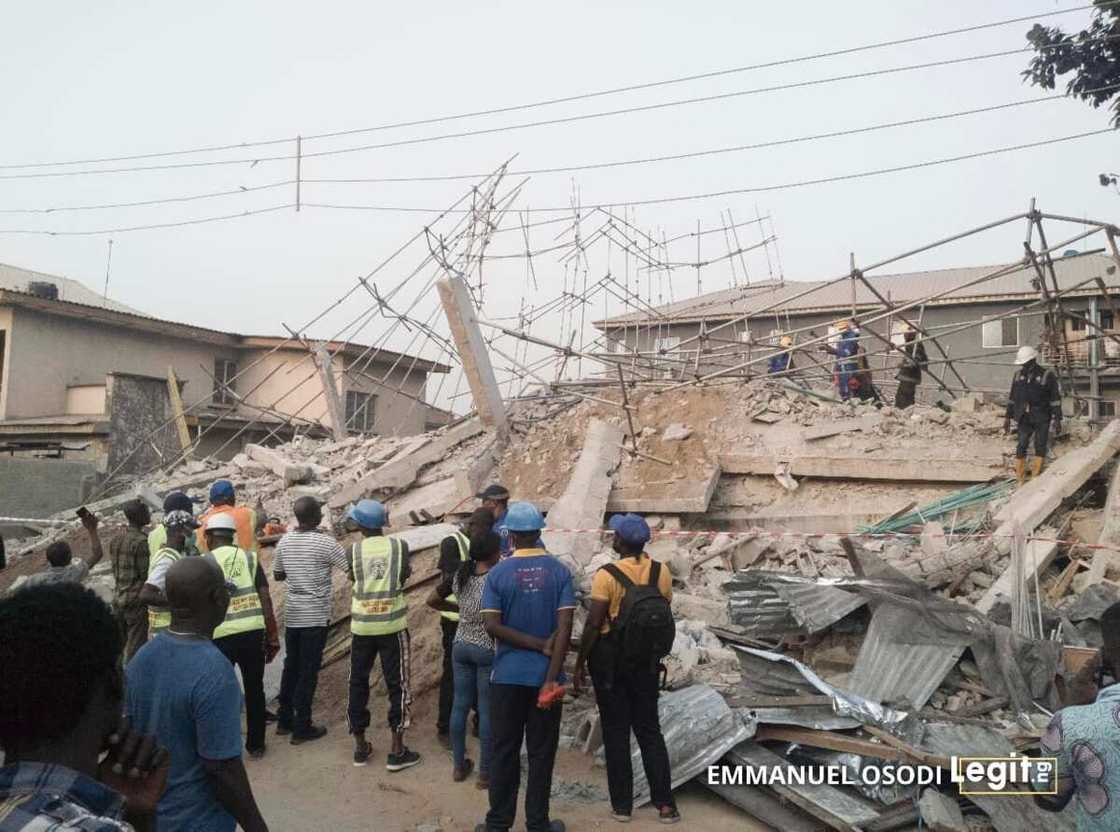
1036 466
1020 470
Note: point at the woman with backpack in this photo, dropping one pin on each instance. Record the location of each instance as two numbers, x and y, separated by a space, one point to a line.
472 653
629 630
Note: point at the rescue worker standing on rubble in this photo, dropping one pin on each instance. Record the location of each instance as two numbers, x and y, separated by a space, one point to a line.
914 361
248 636
379 625
222 496
782 362
1034 403
846 351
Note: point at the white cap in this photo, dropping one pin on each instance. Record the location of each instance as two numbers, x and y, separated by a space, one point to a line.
223 520
1025 354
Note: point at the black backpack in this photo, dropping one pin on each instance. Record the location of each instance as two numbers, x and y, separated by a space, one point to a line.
644 631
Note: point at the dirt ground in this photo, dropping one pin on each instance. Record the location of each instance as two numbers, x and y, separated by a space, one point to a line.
317 787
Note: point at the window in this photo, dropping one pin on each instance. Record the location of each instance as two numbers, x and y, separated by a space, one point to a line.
359 411
224 372
1077 324
1106 320
1107 408
1001 333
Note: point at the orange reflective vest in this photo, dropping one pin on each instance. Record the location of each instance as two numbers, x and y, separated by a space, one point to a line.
246 520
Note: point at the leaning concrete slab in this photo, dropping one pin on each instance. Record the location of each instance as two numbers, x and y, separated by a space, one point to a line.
401 472
1037 556
1110 529
584 501
690 496
867 468
1036 500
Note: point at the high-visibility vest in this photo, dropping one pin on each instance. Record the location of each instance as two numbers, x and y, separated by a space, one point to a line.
464 550
244 517
377 606
157 539
245 612
159 618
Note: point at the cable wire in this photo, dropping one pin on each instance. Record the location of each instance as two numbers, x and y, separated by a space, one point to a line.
570 98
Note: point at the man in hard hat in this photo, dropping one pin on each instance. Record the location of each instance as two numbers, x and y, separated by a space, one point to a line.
379 626
846 351
1034 402
914 361
178 527
222 501
248 636
496 498
782 362
527 605
157 537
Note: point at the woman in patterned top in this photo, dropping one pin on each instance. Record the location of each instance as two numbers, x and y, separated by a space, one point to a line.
472 654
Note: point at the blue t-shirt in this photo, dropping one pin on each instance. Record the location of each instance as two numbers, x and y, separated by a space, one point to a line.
184 691
529 589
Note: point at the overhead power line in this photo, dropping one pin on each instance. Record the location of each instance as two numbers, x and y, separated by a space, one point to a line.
570 98
605 204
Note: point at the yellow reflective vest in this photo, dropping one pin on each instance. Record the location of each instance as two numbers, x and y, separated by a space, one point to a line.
159 618
464 553
377 606
245 612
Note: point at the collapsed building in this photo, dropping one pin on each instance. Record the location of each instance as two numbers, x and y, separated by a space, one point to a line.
855 586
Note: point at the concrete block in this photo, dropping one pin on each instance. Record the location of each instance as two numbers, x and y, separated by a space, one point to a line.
940 812
933 539
292 473
676 432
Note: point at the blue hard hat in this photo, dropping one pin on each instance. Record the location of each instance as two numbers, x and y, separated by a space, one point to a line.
524 517
221 490
369 514
632 528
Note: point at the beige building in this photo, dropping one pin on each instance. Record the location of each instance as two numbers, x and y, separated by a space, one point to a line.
84 377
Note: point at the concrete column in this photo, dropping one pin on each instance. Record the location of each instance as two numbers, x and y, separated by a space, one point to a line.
330 390
473 354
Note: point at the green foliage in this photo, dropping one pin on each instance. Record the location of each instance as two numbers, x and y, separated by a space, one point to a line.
1092 55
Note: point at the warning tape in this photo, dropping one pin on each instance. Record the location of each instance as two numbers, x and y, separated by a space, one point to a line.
757 533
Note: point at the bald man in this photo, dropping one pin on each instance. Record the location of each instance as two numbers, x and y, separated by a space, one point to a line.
182 689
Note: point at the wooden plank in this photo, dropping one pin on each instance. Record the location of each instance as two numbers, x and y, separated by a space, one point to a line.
847 744
177 412
866 467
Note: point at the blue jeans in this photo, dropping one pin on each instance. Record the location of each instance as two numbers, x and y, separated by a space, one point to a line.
472 665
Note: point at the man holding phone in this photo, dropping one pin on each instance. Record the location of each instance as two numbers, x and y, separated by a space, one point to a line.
63 566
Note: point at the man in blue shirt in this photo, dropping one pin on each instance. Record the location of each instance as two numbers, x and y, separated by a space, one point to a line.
527 604
182 689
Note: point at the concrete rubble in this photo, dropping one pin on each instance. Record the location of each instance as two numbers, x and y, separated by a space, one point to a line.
869 547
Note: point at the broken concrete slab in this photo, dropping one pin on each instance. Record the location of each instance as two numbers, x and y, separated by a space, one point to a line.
1110 528
401 471
864 423
867 467
676 432
1035 501
437 498
940 812
1037 557
292 473
480 470
688 496
584 501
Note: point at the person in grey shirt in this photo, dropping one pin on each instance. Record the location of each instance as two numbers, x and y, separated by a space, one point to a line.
64 567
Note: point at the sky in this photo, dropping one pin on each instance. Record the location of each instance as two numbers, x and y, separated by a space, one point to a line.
83 80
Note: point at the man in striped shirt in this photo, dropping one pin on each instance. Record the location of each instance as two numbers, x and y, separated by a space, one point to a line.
304 558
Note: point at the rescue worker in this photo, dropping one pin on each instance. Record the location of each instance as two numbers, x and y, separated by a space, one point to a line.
496 498
782 362
178 527
1034 402
379 625
222 497
914 361
157 537
454 551
846 350
248 636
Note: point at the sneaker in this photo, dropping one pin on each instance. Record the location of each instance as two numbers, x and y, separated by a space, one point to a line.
399 762
444 740
461 774
669 814
309 734
283 730
361 755
256 753
621 817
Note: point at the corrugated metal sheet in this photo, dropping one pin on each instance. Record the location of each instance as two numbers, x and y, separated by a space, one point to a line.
773 603
905 287
899 674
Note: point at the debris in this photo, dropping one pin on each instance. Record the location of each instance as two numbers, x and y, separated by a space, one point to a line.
940 812
676 432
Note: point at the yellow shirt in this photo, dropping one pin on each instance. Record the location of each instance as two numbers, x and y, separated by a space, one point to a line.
604 586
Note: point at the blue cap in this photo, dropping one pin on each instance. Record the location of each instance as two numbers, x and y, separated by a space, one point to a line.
177 501
221 490
632 528
524 517
369 514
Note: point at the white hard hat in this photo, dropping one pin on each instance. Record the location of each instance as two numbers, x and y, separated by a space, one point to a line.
223 521
1025 354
